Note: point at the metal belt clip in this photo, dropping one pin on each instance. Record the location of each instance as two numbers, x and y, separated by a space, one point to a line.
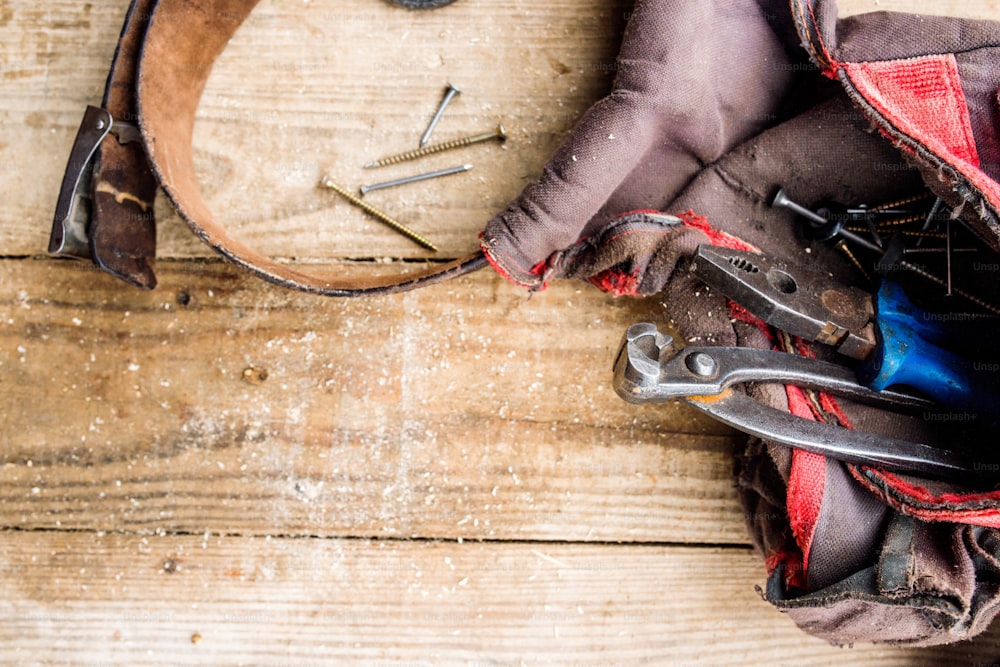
70 228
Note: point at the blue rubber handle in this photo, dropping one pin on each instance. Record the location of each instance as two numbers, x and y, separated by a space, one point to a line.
907 356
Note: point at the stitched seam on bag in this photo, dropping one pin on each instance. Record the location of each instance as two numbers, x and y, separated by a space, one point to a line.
883 486
921 498
810 33
738 184
507 267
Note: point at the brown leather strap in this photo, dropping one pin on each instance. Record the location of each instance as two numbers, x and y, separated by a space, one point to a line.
164 58
122 231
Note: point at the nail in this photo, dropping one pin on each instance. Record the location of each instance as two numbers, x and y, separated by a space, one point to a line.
947 240
935 209
930 251
449 94
365 189
379 215
782 200
499 134
828 229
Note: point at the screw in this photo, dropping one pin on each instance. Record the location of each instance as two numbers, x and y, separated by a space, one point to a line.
902 202
920 271
449 94
854 260
365 189
500 133
825 228
379 215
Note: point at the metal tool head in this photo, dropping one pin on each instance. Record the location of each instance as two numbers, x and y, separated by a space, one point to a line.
801 302
70 235
651 369
637 366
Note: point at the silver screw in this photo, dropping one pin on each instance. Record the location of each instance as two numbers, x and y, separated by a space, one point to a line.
449 95
365 189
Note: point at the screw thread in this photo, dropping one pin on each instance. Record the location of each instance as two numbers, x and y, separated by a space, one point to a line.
380 216
923 235
899 222
499 134
854 260
920 271
902 202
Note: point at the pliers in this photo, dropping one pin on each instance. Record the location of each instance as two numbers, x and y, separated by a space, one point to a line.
650 369
897 347
898 344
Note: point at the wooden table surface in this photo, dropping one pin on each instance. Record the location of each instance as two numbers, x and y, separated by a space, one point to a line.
222 471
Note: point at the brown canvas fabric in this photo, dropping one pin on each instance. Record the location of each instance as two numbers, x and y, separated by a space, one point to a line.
715 106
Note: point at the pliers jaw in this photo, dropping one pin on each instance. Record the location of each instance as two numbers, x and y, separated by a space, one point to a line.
804 303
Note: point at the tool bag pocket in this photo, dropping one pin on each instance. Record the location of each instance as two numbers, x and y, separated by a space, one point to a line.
867 554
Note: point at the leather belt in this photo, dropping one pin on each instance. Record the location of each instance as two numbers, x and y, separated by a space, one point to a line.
141 139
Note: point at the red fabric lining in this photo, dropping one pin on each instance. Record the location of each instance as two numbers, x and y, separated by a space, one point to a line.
794 576
923 99
807 478
902 492
718 238
738 312
806 482
616 283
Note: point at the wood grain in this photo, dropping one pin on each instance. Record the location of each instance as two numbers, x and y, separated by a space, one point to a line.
218 599
221 403
223 472
332 91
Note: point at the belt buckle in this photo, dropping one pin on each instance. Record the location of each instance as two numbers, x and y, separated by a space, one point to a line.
70 236
71 226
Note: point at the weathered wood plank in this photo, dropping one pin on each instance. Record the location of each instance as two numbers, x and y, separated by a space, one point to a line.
132 437
195 599
462 410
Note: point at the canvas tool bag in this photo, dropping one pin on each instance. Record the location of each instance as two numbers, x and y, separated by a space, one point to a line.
715 106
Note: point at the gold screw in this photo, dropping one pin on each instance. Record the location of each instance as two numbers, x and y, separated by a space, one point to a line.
903 202
854 260
500 134
379 215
